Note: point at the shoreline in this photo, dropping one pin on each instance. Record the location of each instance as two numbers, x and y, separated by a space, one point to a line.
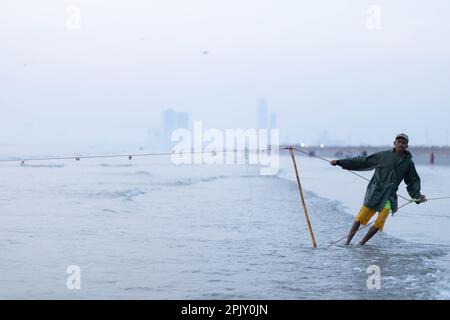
421 155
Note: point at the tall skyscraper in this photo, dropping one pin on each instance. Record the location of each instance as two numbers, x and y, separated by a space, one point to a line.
171 121
169 125
264 119
262 115
273 121
183 120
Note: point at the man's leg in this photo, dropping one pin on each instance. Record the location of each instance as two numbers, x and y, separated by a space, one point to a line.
378 226
352 232
363 217
372 231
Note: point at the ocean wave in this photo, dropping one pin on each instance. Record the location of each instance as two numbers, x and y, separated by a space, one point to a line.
183 182
43 165
106 165
143 173
209 179
138 288
128 194
109 210
189 181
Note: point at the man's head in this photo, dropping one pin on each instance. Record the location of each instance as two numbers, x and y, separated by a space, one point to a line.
401 143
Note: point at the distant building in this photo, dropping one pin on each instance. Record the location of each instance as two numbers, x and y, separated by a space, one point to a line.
182 120
325 140
168 126
262 115
273 121
264 119
171 121
154 139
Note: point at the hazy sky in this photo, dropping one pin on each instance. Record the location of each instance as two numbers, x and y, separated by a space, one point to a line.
316 63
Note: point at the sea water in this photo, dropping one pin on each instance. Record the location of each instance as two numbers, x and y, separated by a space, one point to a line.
148 229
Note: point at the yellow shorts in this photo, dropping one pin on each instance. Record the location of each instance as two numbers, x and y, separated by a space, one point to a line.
366 214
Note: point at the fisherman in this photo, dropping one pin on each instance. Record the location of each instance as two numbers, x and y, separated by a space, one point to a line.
391 167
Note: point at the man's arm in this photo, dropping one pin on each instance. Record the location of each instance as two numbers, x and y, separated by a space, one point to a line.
413 185
359 163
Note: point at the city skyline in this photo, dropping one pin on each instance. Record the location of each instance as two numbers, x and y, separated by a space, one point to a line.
171 120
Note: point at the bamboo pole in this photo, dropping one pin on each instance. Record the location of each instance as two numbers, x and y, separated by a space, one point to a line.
302 198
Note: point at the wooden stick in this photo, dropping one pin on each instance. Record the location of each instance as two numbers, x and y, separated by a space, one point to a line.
302 198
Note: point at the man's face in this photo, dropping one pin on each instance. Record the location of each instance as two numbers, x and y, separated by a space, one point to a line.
400 145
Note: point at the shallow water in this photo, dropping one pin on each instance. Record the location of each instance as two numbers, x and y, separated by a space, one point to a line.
148 229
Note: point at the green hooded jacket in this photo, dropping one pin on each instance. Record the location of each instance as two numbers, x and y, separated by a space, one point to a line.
390 170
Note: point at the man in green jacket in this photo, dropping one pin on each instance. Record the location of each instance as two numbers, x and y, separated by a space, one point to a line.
391 168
